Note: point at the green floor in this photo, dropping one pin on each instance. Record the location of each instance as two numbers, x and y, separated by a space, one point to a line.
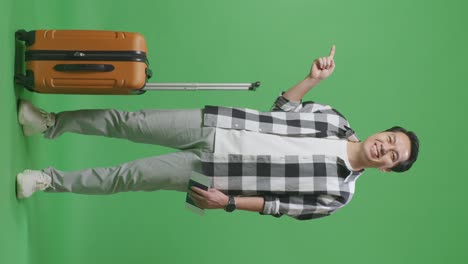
398 62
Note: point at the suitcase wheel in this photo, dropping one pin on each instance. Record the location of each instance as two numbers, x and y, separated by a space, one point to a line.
20 79
25 80
27 36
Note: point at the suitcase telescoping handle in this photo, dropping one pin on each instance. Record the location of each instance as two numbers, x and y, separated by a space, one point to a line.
201 86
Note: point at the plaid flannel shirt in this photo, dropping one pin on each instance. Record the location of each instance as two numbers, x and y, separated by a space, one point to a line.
300 186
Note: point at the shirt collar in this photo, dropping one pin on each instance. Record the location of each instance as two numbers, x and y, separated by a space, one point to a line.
353 176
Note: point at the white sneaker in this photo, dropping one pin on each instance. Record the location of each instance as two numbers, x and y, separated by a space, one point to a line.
30 181
33 119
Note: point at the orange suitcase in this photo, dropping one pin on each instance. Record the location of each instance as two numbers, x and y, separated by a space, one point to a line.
94 62
84 61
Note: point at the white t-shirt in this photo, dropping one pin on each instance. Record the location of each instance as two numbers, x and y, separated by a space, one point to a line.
252 143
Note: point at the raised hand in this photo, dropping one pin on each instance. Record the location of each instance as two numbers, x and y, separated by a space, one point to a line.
323 67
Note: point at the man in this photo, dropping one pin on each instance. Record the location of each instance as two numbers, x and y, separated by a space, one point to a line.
301 159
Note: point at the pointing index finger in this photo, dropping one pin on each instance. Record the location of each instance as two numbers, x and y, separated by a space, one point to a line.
332 52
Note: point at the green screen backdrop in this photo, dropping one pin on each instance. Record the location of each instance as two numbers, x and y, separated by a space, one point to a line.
398 62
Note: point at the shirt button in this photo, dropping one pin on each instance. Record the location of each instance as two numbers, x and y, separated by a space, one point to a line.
236 125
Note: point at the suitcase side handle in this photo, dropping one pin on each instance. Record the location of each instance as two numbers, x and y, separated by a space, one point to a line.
84 67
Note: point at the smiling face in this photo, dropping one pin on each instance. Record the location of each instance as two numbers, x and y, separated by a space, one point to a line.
384 150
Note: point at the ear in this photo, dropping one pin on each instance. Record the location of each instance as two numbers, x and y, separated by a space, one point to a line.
385 170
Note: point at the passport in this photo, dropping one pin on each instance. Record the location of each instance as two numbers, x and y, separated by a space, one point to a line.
201 181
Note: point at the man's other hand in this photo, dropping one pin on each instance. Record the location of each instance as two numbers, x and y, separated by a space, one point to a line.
211 199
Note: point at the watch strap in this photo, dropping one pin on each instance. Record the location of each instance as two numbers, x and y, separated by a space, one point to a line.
231 206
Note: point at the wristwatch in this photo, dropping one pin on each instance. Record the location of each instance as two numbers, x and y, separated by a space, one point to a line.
231 206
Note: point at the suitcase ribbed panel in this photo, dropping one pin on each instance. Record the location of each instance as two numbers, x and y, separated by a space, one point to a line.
126 77
88 40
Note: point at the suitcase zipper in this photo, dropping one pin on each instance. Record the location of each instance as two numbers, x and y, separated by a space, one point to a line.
137 56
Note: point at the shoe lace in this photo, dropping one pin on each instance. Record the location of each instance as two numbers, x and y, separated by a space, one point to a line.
49 118
44 182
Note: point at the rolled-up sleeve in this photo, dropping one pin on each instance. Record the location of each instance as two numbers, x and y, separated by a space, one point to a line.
283 104
303 207
271 206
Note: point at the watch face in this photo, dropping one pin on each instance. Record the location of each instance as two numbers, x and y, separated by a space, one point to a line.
230 207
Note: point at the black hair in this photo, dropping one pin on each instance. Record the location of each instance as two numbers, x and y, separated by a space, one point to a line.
406 165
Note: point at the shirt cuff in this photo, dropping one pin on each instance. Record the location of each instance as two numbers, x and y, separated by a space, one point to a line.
286 105
271 206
